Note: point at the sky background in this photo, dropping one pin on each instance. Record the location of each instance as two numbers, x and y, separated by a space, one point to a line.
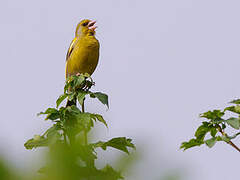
162 63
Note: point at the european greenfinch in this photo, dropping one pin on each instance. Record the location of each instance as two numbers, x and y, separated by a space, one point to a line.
83 53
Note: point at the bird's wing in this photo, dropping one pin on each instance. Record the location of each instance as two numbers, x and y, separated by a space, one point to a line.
70 49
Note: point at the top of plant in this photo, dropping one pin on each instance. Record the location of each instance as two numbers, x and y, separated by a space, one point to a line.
71 126
215 124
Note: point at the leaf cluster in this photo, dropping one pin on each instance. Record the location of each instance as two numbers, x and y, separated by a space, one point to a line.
67 138
215 125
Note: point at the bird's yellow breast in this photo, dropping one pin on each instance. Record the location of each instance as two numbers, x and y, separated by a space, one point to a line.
83 57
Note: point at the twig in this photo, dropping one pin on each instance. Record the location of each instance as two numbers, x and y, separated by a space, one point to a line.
230 142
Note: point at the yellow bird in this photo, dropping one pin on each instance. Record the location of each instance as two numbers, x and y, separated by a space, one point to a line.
83 53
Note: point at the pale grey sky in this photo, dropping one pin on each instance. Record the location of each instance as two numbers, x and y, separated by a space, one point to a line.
162 63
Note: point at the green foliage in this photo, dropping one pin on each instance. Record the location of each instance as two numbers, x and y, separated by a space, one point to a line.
67 138
215 126
120 143
236 101
103 98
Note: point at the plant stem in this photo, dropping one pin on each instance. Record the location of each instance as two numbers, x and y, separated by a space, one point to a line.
85 131
233 145
230 142
83 106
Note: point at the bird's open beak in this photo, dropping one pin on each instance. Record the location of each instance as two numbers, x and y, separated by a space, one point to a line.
91 25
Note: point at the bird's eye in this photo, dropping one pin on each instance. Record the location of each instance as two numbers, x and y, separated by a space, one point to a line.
85 24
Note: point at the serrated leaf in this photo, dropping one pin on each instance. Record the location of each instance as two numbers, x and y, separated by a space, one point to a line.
191 143
236 101
78 121
213 115
230 108
81 95
48 111
120 143
37 141
235 109
110 173
103 98
100 119
233 122
52 130
71 96
79 80
73 109
60 99
213 131
52 114
211 142
202 130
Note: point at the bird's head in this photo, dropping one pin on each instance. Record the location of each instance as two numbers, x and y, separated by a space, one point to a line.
86 27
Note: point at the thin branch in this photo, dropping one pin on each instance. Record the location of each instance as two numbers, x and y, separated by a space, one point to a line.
230 142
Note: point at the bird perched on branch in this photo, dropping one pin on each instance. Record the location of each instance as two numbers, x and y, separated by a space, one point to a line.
83 53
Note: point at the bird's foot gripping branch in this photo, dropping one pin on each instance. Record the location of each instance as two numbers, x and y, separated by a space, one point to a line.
215 127
67 139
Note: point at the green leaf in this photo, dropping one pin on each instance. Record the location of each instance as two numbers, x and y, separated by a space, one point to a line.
213 131
225 138
213 115
81 95
191 143
235 109
202 130
37 141
52 130
52 136
211 142
236 101
233 122
71 96
73 109
120 143
48 111
85 120
223 126
103 98
86 153
52 114
109 173
60 99
79 80
100 119
68 83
